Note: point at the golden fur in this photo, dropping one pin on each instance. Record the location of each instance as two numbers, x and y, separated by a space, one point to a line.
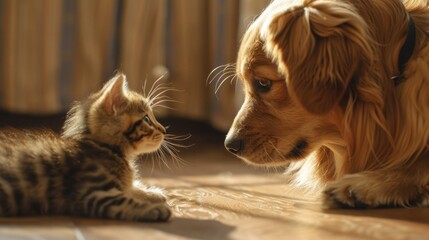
333 113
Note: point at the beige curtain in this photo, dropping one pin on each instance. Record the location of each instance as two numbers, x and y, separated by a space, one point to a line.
53 52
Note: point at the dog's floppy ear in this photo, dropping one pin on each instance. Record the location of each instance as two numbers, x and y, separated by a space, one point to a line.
319 46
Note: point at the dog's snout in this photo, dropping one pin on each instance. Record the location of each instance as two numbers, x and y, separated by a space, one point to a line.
234 145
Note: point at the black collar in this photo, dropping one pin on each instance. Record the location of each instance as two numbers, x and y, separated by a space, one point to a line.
406 50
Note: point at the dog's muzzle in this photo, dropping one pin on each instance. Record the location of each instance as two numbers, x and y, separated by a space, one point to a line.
234 145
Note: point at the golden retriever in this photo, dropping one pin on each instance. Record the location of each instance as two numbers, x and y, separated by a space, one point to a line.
339 91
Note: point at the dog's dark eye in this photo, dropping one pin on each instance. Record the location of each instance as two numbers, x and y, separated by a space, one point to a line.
262 85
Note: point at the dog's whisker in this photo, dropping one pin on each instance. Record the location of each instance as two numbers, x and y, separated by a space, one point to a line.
234 78
221 83
226 67
215 70
230 75
266 152
220 77
278 151
222 74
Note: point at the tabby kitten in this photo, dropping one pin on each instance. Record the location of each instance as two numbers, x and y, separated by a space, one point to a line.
88 170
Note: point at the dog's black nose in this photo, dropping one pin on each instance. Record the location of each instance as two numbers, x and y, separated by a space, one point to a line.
234 145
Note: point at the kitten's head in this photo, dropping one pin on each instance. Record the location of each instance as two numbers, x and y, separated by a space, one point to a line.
118 117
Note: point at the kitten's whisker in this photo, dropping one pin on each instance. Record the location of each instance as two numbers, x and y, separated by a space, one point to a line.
160 157
163 157
180 145
153 164
163 106
171 150
162 97
153 98
156 83
172 147
174 155
177 137
165 101
144 87
158 88
161 93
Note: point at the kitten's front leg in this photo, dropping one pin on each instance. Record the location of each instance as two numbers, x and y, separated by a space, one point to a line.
133 205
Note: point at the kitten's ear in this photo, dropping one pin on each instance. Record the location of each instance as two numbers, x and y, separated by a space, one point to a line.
115 94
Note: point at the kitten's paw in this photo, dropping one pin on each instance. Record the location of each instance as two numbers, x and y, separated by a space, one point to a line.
156 196
153 194
157 213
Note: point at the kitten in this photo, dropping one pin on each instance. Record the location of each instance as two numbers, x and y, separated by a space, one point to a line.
88 170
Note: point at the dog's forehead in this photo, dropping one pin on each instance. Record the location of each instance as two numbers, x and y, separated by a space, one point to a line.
267 71
254 62
260 69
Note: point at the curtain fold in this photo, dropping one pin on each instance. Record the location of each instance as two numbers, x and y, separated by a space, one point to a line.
53 52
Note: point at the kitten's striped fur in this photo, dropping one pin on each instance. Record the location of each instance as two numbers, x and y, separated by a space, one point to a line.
87 171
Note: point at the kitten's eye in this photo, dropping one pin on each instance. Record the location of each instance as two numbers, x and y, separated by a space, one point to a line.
147 120
263 85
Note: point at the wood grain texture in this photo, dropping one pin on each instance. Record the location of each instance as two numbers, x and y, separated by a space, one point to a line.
215 196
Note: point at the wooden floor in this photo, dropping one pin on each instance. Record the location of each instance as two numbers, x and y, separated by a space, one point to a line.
216 196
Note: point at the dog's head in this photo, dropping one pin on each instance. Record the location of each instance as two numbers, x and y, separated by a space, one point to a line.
302 64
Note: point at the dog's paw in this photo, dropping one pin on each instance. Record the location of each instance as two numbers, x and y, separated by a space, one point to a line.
342 197
351 192
374 190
